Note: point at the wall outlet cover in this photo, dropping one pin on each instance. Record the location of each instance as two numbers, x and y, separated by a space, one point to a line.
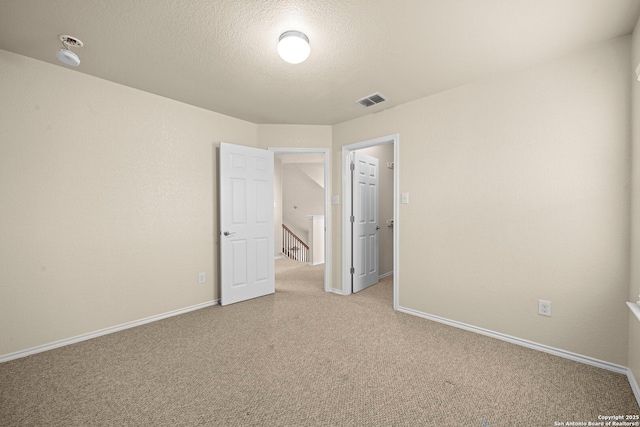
544 307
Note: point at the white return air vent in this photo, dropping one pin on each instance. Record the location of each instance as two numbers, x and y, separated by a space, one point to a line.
371 100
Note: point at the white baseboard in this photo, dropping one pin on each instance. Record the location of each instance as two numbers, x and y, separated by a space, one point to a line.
634 385
535 346
90 335
382 276
525 343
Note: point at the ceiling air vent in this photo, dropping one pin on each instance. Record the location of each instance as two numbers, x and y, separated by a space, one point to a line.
371 100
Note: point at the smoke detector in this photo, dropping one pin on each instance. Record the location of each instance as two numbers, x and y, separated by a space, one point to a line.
65 54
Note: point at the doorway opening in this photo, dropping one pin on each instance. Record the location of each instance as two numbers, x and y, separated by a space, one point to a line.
301 201
386 223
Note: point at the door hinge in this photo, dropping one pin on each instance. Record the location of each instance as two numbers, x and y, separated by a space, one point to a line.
353 166
353 270
352 219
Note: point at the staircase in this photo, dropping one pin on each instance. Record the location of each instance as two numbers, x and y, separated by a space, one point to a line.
293 247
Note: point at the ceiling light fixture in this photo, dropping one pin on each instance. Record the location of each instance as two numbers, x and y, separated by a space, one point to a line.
64 53
293 47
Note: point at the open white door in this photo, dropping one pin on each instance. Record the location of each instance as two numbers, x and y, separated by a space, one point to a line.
365 222
246 223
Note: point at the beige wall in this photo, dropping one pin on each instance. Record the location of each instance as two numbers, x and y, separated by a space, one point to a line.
301 197
294 136
107 199
518 184
634 290
519 191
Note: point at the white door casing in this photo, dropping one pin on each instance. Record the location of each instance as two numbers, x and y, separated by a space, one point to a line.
365 221
246 223
345 274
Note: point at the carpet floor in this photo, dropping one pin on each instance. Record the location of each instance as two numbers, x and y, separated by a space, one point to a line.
303 357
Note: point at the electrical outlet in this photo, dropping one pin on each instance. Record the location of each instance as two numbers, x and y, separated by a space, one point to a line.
544 307
201 278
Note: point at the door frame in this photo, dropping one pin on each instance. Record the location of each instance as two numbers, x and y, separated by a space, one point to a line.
327 216
346 210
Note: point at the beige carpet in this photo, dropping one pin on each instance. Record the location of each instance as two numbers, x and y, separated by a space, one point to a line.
303 357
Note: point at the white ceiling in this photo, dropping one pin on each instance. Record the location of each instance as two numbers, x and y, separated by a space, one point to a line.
221 54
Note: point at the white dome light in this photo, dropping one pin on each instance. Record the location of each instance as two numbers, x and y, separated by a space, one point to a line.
68 57
293 47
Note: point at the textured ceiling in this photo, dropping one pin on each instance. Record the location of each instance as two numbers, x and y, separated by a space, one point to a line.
221 54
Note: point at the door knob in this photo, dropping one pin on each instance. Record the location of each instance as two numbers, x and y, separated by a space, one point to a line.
226 233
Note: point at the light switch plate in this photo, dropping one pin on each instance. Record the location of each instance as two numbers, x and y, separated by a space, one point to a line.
405 198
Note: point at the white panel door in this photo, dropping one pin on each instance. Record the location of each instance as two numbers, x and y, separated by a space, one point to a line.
365 221
246 223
